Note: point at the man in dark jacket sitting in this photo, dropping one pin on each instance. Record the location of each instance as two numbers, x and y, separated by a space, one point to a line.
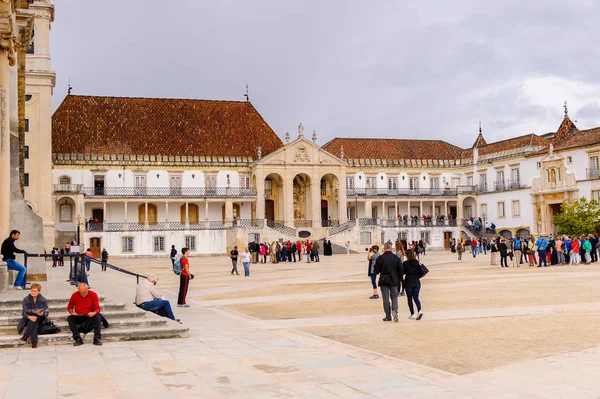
389 267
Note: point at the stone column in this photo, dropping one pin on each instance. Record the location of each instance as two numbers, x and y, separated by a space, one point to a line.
125 219
342 200
315 189
228 211
105 216
146 224
167 215
260 196
205 210
420 211
7 59
288 199
187 214
396 210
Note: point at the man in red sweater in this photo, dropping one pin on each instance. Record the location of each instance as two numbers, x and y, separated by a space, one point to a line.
84 305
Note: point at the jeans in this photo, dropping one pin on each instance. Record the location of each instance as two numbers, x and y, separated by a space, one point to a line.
388 293
561 257
88 262
157 304
542 256
31 329
374 281
316 255
412 294
474 251
21 276
246 268
76 321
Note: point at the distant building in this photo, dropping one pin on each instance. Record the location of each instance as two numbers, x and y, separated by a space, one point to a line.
150 173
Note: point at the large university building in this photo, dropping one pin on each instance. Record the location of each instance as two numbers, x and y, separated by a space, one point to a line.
137 175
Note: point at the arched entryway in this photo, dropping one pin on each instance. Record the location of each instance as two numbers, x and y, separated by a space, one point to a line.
330 185
274 206
236 212
152 214
302 192
469 207
193 213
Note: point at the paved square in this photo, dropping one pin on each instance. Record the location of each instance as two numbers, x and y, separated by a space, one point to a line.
309 331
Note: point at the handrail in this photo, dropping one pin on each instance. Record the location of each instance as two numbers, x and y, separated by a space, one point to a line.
83 257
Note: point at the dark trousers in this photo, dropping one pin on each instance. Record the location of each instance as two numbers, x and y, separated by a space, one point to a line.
412 294
594 254
543 257
387 294
32 327
104 265
234 264
76 321
316 255
503 261
289 256
184 282
294 256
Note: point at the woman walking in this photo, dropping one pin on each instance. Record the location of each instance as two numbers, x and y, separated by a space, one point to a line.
246 259
412 283
184 278
371 258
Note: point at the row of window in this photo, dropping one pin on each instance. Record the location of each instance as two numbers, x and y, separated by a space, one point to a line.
366 238
174 180
516 209
413 182
127 244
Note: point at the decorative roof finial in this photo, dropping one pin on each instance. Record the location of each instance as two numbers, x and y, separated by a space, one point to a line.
287 137
300 130
479 127
259 152
566 110
247 95
69 87
342 152
315 136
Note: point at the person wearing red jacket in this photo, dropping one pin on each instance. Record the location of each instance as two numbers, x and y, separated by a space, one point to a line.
308 247
84 305
299 248
474 245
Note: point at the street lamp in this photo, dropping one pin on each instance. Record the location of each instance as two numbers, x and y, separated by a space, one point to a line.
79 229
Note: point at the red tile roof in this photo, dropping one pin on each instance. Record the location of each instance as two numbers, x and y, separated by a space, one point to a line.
581 138
393 149
515 143
480 141
566 128
160 126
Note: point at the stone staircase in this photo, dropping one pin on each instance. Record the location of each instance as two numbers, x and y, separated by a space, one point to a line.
336 249
62 238
126 323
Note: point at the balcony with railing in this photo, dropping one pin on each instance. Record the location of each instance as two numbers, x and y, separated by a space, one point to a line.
68 188
507 185
401 192
593 173
167 191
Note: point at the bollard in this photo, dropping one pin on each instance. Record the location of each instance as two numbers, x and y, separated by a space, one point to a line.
3 277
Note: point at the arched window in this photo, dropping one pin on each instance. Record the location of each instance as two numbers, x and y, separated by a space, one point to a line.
64 180
193 213
152 214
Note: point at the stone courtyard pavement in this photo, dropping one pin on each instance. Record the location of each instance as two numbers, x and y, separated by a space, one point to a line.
309 331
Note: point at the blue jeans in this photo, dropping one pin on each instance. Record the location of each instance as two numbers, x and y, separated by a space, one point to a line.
542 256
374 281
88 262
474 251
14 265
157 304
246 268
412 293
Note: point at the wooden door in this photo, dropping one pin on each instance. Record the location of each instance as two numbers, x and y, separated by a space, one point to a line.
98 214
270 210
95 247
447 238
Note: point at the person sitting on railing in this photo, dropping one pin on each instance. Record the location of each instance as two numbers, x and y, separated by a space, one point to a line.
149 299
8 255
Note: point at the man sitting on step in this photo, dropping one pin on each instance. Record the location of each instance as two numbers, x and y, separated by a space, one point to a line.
149 299
84 310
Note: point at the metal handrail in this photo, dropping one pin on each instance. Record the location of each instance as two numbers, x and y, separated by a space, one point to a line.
168 192
400 192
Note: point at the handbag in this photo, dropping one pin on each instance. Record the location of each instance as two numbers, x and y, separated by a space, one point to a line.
47 327
423 270
385 280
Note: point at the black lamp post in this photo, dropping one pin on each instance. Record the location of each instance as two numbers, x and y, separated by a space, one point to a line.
79 229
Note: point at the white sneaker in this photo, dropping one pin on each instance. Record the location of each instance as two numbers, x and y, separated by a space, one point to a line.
411 317
420 315
18 288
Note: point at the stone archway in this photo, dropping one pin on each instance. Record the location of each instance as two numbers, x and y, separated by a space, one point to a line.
329 191
273 198
302 194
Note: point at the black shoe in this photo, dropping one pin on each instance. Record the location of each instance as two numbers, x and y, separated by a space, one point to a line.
97 342
25 337
78 342
387 319
104 323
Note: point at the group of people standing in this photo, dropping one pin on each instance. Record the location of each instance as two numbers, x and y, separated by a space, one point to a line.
399 275
543 251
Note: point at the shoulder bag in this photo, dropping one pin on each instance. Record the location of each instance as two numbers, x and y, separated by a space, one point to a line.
423 270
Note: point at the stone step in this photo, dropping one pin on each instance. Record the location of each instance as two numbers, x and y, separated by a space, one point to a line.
7 320
116 324
52 301
57 307
171 330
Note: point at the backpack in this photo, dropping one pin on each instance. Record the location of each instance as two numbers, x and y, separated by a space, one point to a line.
177 267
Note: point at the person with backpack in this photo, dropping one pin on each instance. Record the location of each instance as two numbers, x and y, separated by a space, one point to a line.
104 259
293 251
460 249
173 255
541 245
184 277
234 259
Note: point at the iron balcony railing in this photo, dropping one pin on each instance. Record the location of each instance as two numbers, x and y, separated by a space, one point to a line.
592 173
68 188
330 223
401 192
507 185
302 223
168 192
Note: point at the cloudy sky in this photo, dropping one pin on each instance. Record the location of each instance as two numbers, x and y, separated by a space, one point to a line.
346 68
